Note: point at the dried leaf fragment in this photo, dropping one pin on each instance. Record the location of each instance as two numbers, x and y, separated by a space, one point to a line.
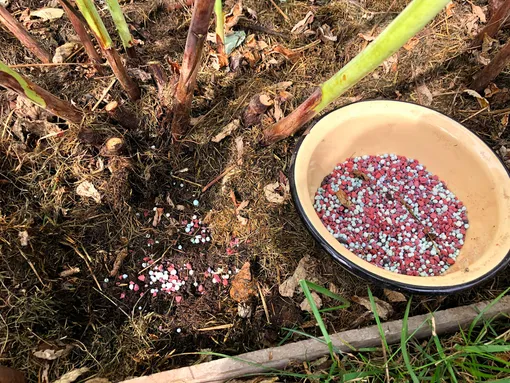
87 189
64 51
227 130
394 296
277 192
48 13
482 101
302 25
305 305
325 33
243 285
478 11
288 287
424 94
69 272
384 309
342 197
71 376
157 216
121 255
23 238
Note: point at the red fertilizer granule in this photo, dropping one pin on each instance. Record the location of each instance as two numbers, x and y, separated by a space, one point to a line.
390 211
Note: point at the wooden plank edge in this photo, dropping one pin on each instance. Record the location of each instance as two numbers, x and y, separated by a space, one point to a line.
446 321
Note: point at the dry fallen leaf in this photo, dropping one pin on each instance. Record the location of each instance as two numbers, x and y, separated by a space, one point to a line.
391 64
424 95
288 53
244 310
227 130
305 305
413 41
394 296
342 197
240 218
273 195
325 33
71 376
482 101
478 11
491 90
157 216
48 13
232 18
303 270
64 51
49 352
449 8
243 285
23 238
366 37
303 24
384 309
87 189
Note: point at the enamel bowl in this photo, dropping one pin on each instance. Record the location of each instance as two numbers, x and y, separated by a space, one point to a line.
469 167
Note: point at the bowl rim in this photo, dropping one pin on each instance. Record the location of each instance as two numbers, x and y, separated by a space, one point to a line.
362 272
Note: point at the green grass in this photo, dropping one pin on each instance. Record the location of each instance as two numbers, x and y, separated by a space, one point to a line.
480 354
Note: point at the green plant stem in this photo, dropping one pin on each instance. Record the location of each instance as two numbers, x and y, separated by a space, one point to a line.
407 24
122 27
220 26
24 87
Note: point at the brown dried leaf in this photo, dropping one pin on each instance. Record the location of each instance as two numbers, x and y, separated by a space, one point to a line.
288 287
305 305
71 376
157 216
449 8
482 101
243 285
391 64
342 197
252 14
232 18
325 33
384 309
303 24
240 150
227 130
277 192
288 53
478 11
50 352
413 41
491 90
359 174
394 296
87 189
424 95
64 51
47 14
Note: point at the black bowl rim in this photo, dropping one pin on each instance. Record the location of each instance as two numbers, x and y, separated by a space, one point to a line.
363 273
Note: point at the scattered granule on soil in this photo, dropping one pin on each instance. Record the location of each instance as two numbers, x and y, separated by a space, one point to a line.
390 211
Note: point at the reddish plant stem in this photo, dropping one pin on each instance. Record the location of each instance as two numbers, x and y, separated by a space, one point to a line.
197 34
499 17
490 72
118 68
79 27
54 104
159 75
123 116
23 36
294 121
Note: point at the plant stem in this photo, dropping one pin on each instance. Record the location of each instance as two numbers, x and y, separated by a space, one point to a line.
23 36
22 86
89 11
220 32
122 27
489 73
197 34
501 15
79 27
408 23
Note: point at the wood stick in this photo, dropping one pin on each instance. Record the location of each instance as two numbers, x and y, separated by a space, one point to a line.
23 36
79 27
123 116
197 34
218 177
499 17
490 72
54 104
278 358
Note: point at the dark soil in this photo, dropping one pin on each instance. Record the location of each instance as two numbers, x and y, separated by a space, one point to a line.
39 177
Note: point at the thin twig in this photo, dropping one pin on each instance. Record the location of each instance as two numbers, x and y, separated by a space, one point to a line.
185 180
475 114
219 177
264 304
32 267
103 95
287 19
219 327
